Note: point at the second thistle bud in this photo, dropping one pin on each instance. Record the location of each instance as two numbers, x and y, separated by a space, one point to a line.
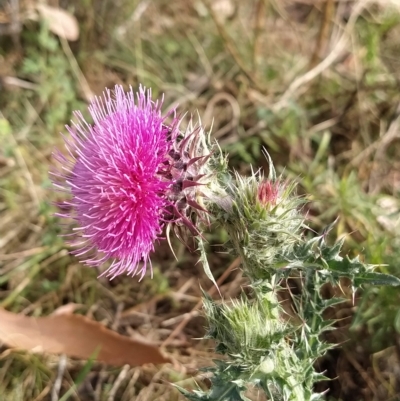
264 222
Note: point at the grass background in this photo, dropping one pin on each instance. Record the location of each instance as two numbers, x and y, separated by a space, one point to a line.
315 82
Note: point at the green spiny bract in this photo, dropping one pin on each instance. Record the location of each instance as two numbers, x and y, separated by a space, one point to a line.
263 221
245 328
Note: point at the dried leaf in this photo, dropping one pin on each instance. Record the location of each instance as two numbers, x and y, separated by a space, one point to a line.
75 336
61 22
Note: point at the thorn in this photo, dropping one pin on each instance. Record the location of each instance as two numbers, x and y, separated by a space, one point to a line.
188 184
194 204
168 231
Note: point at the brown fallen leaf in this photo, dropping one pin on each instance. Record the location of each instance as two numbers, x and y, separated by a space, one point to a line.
61 22
75 336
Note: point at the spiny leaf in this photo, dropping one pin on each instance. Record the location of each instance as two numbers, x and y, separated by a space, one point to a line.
332 253
347 266
376 279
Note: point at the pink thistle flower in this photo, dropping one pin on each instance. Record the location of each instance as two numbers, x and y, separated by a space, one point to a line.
128 175
268 192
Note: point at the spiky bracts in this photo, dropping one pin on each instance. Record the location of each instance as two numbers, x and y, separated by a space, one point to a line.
264 222
189 170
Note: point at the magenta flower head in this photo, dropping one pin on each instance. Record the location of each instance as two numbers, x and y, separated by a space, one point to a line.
126 180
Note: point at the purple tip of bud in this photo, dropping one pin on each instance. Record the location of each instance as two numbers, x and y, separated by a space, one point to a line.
268 192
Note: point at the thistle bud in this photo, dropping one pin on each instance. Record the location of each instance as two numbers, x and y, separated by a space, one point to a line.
264 223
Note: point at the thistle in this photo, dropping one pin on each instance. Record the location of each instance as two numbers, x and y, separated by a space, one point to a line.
129 174
132 174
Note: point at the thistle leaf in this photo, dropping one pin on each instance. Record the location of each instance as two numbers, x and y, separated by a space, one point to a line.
376 279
